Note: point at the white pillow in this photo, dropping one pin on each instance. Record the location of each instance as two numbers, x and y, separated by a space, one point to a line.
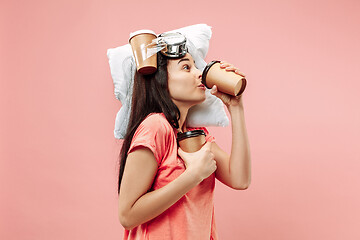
211 112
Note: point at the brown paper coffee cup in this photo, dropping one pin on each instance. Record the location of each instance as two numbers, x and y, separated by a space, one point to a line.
226 81
191 141
138 41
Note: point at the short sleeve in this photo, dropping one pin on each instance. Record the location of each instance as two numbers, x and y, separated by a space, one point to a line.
153 134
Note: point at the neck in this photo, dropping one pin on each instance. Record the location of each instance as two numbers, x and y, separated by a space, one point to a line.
182 121
184 109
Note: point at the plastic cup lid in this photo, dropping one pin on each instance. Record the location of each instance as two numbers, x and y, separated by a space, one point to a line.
142 32
193 133
205 71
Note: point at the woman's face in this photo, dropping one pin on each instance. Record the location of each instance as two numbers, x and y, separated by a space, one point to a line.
184 81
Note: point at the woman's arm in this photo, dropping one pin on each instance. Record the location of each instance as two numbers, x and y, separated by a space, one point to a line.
137 205
234 170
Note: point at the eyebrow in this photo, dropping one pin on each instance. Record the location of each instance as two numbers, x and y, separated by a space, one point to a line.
184 59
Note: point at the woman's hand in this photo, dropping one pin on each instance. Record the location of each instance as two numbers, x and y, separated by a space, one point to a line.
227 99
200 163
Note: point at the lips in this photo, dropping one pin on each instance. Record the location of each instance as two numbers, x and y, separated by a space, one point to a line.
201 86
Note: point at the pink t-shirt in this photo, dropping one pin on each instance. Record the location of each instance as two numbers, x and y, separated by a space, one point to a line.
190 218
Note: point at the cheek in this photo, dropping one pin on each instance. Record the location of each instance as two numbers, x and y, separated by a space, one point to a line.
179 87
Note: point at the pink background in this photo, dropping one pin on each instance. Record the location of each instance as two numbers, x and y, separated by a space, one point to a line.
58 171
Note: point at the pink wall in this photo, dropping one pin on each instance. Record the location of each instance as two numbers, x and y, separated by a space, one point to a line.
57 149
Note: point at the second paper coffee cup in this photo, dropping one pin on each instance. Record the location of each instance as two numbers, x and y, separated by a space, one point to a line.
226 81
139 41
191 141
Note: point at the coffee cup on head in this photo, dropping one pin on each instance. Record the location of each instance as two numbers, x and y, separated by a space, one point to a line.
191 141
139 42
226 81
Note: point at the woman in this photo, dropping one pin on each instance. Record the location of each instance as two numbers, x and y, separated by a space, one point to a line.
165 193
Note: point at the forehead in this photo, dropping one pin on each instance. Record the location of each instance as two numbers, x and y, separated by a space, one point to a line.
175 61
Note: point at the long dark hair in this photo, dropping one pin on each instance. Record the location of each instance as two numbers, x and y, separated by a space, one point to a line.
150 95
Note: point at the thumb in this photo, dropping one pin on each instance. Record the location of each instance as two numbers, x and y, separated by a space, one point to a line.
225 98
207 146
181 153
214 91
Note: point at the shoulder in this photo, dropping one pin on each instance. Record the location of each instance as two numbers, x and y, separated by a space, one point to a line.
155 133
155 121
154 118
155 124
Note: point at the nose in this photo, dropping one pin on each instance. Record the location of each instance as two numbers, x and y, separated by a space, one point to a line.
199 74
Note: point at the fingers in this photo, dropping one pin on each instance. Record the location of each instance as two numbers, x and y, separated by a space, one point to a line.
240 73
230 67
224 64
207 148
184 155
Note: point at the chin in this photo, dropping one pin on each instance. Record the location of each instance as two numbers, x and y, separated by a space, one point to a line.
201 100
195 100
